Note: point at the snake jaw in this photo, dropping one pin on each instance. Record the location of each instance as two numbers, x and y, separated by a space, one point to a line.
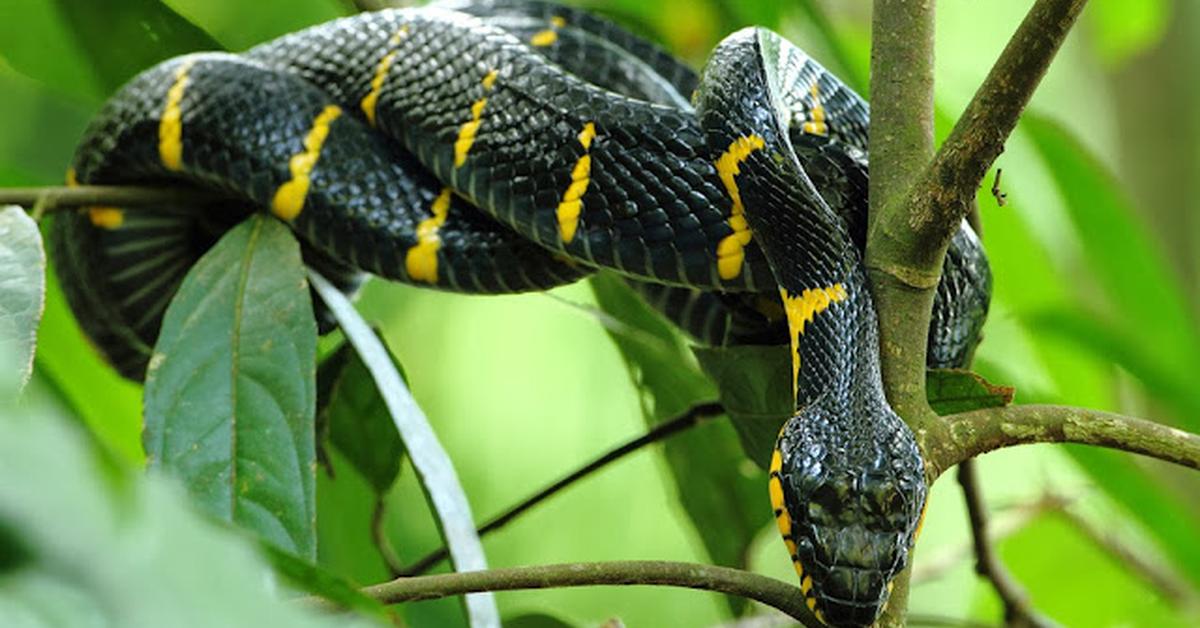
853 508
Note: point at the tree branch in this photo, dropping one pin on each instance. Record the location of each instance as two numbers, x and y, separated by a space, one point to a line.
769 591
1017 609
688 419
901 144
912 240
61 197
969 434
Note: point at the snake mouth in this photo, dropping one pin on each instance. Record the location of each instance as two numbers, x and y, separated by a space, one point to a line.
852 572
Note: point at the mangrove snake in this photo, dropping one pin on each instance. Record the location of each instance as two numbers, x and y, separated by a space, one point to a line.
509 146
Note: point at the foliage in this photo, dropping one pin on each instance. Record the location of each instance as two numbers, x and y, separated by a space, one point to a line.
1087 311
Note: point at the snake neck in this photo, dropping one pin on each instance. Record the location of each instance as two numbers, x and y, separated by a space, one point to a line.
846 477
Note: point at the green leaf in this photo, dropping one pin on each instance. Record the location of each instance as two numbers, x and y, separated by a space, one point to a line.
429 459
723 498
756 391
124 38
104 545
317 581
230 391
22 294
951 391
356 418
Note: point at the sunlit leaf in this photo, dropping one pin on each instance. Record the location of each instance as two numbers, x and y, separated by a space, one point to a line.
124 38
756 391
952 390
429 459
722 497
22 293
230 391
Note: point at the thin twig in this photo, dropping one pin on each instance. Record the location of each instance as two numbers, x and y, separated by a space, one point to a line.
63 197
997 193
769 591
1013 520
684 421
1173 587
1017 609
958 437
380 539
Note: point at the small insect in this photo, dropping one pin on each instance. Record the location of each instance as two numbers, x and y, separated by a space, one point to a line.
1001 197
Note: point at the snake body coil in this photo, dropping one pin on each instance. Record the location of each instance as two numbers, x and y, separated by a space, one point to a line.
520 148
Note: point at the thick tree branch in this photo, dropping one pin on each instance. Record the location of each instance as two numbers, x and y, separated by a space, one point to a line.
901 144
1017 609
769 591
959 437
690 418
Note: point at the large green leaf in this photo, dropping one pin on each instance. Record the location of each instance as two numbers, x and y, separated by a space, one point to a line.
230 391
756 391
355 417
429 459
124 38
90 543
726 503
22 293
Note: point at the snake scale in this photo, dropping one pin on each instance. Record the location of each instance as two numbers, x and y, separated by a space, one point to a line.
510 145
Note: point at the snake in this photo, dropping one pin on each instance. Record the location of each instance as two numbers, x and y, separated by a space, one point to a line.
502 146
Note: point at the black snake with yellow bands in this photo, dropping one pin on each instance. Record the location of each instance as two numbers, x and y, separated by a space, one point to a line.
521 148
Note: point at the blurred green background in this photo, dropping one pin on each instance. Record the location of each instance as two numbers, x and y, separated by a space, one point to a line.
1096 302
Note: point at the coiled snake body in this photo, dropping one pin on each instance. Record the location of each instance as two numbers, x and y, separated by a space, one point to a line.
380 138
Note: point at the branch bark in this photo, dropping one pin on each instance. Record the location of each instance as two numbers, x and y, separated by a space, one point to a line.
901 143
959 437
769 591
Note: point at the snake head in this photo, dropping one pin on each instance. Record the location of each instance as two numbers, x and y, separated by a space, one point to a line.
849 495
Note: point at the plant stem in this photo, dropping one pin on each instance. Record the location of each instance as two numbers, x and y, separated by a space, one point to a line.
688 419
1017 609
769 591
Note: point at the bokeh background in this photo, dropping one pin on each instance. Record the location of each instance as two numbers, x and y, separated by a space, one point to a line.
1096 303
